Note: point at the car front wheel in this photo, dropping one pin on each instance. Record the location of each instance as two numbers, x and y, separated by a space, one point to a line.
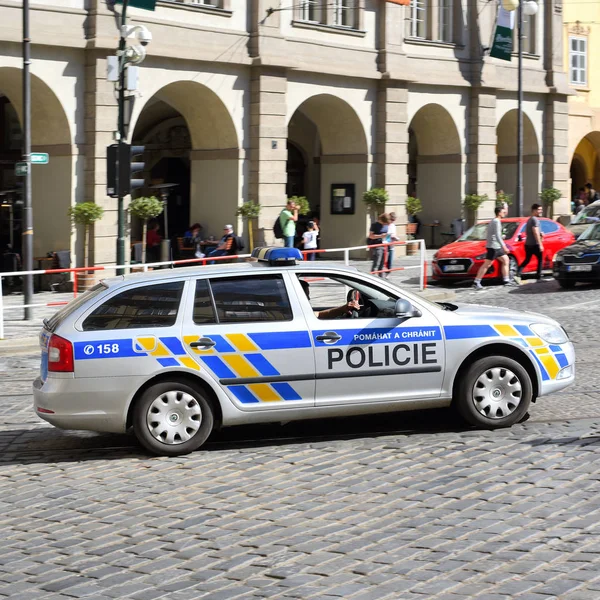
495 392
172 418
567 284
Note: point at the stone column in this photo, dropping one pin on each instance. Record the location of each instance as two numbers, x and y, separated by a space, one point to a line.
392 145
481 152
556 153
100 122
268 148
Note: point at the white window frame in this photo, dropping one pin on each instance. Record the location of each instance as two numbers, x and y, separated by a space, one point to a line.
344 13
208 3
580 72
445 21
310 11
417 16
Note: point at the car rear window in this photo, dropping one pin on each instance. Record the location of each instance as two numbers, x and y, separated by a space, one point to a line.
57 318
154 305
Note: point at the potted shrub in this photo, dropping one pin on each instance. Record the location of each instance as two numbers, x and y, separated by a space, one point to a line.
503 198
548 197
145 208
249 211
302 204
376 199
471 203
86 214
413 208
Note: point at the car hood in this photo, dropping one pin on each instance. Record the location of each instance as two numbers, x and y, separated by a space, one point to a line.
462 249
585 246
492 315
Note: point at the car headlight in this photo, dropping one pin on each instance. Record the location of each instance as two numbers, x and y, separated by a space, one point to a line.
558 258
481 257
553 334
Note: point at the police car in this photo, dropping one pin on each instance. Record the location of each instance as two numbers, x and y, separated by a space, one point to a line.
174 354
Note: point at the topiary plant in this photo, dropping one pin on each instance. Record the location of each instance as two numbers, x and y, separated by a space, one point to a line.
549 196
503 198
302 204
413 206
472 202
376 199
249 211
145 208
86 214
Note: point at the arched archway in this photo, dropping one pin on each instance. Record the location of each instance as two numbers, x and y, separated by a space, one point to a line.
190 141
52 188
506 169
329 134
435 166
585 164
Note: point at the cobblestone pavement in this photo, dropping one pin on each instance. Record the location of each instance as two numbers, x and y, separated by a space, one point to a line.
406 506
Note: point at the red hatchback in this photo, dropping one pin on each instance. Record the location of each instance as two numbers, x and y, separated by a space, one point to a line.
461 259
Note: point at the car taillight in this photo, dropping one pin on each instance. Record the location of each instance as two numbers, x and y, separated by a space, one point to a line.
60 355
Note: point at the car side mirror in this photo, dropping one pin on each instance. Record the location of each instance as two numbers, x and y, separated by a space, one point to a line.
520 237
405 310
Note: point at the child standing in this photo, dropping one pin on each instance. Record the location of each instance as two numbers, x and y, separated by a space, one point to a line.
309 240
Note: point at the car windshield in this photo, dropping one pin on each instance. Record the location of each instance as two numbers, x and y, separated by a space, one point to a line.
479 232
591 211
591 233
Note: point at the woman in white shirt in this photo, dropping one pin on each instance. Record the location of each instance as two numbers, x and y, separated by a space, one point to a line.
309 240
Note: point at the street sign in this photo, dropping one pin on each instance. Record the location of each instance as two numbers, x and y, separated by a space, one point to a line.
39 158
21 169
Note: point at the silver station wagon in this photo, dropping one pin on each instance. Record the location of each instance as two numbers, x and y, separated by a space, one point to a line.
174 354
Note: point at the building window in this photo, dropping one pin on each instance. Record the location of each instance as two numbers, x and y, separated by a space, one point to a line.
529 45
578 60
344 13
416 23
209 3
310 11
445 21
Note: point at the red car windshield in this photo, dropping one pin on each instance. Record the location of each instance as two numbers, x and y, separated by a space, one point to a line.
478 232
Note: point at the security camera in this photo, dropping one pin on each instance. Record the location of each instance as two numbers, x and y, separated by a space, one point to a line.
141 33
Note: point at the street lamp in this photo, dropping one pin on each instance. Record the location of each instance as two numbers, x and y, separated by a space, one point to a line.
529 8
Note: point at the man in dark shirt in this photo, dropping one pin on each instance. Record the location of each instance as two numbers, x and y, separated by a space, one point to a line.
377 235
533 242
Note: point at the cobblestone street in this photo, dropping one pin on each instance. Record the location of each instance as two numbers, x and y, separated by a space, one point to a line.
403 506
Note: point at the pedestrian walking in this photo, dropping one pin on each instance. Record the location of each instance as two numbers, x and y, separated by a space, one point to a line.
309 240
287 220
496 249
533 241
391 237
377 235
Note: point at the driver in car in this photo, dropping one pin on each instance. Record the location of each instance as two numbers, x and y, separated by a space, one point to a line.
332 313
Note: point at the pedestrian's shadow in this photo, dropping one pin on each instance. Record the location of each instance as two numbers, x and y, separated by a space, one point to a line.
589 439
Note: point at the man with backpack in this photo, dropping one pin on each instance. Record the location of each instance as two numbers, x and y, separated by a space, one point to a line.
285 225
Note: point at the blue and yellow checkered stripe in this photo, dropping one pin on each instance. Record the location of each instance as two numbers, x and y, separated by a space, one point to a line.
550 358
238 355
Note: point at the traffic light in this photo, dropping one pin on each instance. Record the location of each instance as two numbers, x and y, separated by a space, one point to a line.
121 157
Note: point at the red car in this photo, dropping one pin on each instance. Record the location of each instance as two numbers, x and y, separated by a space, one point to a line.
461 259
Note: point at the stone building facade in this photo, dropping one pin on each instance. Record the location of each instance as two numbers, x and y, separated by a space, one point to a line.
256 100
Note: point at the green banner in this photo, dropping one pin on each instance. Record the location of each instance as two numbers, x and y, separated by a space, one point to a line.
502 45
145 4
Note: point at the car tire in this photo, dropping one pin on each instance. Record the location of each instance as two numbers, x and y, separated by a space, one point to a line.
172 418
495 392
566 284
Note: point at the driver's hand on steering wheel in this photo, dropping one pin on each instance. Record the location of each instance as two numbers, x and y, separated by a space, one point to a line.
353 305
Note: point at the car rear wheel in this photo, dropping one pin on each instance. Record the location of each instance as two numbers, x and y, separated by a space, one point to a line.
567 284
495 392
172 418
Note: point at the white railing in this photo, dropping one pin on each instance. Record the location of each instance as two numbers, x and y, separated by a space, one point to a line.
422 266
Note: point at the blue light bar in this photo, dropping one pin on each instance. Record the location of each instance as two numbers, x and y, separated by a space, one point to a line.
277 256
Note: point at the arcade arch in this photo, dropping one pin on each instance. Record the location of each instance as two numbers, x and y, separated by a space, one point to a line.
585 164
435 166
327 135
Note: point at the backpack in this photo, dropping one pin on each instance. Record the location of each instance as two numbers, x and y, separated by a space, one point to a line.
277 228
239 244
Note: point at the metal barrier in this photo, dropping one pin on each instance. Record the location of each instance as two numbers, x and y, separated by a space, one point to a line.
202 261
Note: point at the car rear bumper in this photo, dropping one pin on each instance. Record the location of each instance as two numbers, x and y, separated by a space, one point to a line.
95 404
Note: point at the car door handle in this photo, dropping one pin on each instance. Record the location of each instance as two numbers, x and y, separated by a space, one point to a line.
203 343
329 336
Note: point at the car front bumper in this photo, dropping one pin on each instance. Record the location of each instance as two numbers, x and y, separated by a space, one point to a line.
561 271
563 356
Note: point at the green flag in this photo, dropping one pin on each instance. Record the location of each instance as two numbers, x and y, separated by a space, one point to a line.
502 44
145 4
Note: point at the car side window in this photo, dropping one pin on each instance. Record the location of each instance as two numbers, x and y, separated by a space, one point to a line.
548 227
204 309
329 291
251 299
143 306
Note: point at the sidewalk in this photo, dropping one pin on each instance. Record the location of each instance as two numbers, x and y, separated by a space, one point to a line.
22 336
